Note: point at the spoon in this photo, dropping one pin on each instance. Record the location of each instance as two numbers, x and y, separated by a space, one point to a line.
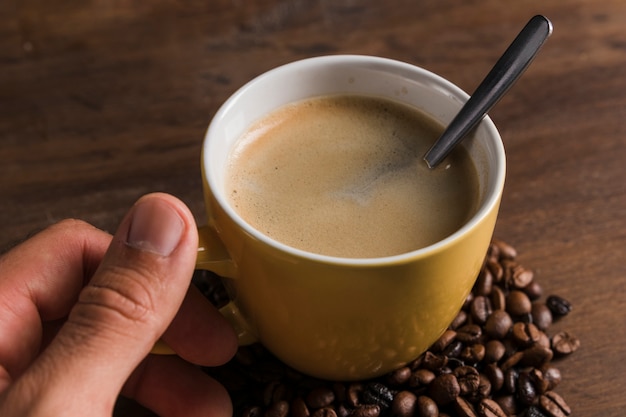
502 76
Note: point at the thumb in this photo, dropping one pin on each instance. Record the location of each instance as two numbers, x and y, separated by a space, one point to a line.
122 311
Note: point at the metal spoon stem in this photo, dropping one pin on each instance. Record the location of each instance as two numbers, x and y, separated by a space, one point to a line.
502 76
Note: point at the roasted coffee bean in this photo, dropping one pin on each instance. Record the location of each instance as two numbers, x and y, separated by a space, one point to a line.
554 405
542 316
521 277
459 320
473 354
365 410
434 362
468 379
534 411
505 250
484 283
512 361
525 334
526 392
253 411
454 349
444 340
518 303
494 351
280 409
498 324
320 397
533 290
444 389
329 412
510 381
399 377
470 333
426 407
379 394
564 343
536 356
558 306
490 408
495 376
552 376
498 298
299 408
404 404
421 378
508 404
464 408
496 269
354 394
480 309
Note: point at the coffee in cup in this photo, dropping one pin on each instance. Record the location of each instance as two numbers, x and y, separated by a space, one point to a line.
343 175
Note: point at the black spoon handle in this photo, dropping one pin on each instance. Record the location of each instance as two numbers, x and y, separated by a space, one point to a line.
502 76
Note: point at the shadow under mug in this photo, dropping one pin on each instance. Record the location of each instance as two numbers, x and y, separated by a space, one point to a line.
339 318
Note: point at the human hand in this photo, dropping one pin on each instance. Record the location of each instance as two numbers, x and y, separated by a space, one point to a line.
80 311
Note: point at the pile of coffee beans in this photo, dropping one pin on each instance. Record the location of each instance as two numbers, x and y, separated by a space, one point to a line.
495 360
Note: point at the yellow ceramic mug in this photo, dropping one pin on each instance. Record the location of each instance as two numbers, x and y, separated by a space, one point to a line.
336 318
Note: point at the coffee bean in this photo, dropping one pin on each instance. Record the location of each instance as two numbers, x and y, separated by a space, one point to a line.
444 340
426 407
498 298
505 250
533 290
542 316
526 392
498 324
365 410
470 333
521 277
508 404
444 389
329 412
480 309
525 334
253 411
536 356
404 404
459 320
490 408
354 394
494 351
281 409
554 405
464 408
564 343
518 303
421 378
299 408
320 397
484 283
496 269
558 306
552 376
399 377
468 380
434 362
454 349
495 376
379 394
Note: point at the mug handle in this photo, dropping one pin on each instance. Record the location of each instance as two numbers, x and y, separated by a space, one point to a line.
213 256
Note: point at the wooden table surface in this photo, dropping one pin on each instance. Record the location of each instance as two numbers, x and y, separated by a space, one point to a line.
103 101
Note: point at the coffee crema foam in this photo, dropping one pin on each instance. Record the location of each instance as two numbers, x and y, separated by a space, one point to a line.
344 176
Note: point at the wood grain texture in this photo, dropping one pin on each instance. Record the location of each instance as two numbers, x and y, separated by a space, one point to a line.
103 101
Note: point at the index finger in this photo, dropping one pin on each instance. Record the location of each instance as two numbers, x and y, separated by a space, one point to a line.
39 281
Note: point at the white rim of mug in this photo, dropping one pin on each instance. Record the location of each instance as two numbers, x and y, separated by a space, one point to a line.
492 198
